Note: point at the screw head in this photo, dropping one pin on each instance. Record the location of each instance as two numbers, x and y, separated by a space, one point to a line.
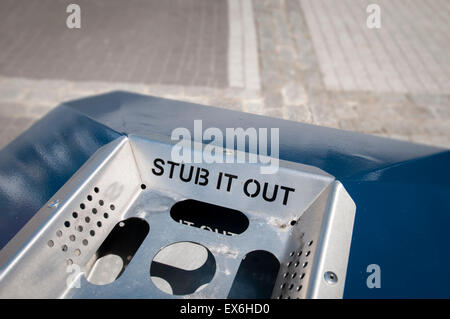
330 277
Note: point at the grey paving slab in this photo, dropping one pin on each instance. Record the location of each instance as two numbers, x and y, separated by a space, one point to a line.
408 54
320 64
311 61
169 42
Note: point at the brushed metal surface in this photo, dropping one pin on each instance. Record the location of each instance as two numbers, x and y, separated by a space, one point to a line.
310 231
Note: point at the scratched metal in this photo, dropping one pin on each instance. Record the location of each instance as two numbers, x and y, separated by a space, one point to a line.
309 234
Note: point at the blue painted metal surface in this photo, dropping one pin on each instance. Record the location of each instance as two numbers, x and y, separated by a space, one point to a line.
401 190
36 164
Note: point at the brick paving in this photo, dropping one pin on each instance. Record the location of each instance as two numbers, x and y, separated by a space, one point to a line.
137 41
296 79
408 54
293 55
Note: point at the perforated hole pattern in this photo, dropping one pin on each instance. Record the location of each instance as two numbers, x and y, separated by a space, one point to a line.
81 226
293 271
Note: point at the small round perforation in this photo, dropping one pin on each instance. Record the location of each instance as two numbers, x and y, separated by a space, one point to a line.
295 271
76 231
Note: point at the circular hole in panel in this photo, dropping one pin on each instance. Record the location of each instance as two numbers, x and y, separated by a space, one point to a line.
106 270
182 268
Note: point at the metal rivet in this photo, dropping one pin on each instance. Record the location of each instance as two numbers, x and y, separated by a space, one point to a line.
331 277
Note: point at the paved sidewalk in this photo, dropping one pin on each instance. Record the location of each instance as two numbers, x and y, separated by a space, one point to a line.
408 54
303 60
295 67
135 41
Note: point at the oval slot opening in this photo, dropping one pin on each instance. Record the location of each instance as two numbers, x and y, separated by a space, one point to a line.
116 251
210 217
256 276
